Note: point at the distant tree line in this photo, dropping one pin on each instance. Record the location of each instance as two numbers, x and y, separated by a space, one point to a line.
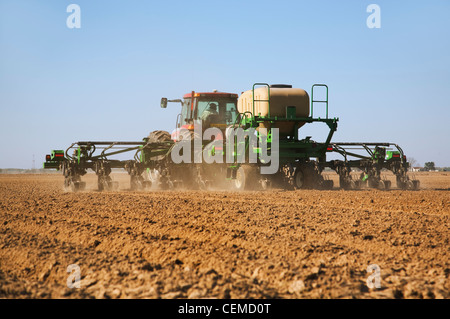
430 166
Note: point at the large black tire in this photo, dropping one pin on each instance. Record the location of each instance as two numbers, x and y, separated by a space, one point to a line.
159 137
305 177
245 178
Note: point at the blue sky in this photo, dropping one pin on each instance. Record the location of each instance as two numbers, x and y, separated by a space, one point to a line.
105 80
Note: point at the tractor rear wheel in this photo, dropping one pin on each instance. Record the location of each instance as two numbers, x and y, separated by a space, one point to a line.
159 137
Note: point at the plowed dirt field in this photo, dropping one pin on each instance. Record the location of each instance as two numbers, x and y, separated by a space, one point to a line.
222 244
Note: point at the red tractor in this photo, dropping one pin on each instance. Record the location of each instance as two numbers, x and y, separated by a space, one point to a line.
212 109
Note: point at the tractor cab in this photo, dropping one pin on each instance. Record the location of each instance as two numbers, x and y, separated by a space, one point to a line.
210 109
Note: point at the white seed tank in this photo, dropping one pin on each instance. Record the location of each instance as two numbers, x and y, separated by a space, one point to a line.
281 96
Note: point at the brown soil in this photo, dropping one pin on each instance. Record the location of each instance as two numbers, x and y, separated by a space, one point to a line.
198 244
